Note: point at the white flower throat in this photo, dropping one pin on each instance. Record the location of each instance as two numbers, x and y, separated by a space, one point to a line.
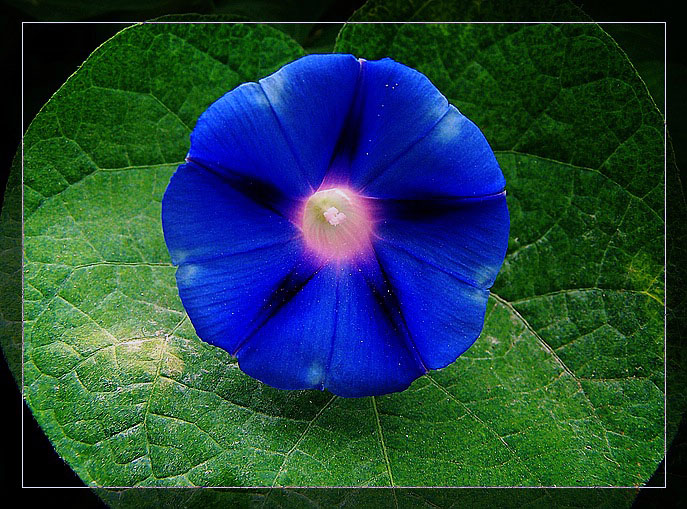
336 223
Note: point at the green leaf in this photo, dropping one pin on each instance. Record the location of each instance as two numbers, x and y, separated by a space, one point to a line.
563 387
581 145
644 45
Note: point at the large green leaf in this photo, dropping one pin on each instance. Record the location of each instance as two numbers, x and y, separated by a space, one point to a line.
581 144
644 45
563 387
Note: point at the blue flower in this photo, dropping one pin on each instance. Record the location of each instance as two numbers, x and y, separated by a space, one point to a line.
337 225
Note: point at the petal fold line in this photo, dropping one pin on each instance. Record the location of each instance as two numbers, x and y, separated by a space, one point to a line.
289 141
274 311
462 279
424 135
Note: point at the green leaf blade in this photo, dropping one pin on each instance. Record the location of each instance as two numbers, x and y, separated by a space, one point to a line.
581 145
564 386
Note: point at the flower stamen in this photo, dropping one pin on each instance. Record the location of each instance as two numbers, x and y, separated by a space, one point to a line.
336 223
334 217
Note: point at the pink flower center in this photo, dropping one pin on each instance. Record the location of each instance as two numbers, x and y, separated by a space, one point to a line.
336 223
334 217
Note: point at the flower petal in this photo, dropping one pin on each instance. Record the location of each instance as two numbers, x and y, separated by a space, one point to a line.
333 334
444 315
204 217
464 237
452 160
289 349
233 254
395 107
282 130
227 298
311 98
372 354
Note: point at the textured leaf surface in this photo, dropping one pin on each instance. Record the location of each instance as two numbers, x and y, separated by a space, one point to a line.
581 146
563 387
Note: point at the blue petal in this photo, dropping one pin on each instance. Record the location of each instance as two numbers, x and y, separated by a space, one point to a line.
234 254
452 160
227 298
204 217
372 353
444 315
311 97
395 107
291 348
335 333
283 130
464 237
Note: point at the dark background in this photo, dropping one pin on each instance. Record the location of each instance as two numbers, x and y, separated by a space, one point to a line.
52 52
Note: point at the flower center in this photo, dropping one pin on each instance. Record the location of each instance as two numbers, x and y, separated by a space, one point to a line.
336 223
334 217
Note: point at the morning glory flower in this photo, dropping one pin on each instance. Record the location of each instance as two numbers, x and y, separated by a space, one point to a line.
337 226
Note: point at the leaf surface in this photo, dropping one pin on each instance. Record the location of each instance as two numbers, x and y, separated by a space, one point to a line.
581 145
564 385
